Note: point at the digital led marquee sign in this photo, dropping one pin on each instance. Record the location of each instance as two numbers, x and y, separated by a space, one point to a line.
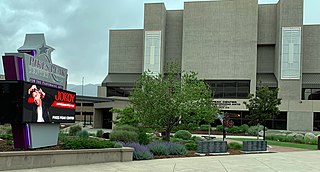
25 102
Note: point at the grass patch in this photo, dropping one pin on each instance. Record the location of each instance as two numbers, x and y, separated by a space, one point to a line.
284 144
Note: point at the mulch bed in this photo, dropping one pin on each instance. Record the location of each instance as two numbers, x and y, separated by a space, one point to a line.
5 147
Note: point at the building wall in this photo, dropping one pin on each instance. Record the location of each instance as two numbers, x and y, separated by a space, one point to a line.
311 50
174 38
289 14
220 39
125 51
265 61
155 20
301 121
267 23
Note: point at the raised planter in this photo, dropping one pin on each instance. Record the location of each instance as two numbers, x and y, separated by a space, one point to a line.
254 145
50 158
212 147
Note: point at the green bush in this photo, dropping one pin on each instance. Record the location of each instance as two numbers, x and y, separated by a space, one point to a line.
6 136
125 127
191 146
197 139
5 129
158 148
234 129
184 126
144 138
176 140
283 138
74 130
176 148
99 133
244 128
204 127
183 134
254 130
219 128
124 136
83 134
86 143
234 145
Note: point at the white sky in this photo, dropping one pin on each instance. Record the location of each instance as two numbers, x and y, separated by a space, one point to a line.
78 29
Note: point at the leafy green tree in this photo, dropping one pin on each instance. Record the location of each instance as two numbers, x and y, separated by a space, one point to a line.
264 105
126 116
163 101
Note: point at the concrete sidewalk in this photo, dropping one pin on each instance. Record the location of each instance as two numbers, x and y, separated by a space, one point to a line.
288 161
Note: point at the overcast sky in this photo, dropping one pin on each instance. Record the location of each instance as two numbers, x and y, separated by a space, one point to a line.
79 29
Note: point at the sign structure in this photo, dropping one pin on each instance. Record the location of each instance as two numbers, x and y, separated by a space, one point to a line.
33 98
226 104
33 64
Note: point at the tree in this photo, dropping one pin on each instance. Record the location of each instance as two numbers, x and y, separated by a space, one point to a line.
126 116
163 101
264 105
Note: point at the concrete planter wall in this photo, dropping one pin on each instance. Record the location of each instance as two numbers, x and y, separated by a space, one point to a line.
254 145
50 158
216 146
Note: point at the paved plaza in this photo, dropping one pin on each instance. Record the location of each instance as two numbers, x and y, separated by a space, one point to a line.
285 161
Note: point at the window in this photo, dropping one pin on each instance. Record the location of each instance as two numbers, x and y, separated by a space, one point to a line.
229 89
310 94
119 91
316 121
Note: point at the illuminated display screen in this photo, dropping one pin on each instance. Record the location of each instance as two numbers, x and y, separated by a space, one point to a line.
30 102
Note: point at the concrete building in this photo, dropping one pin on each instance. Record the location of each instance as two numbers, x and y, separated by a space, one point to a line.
234 45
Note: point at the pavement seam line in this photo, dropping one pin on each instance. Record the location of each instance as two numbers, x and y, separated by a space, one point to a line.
266 164
174 167
223 166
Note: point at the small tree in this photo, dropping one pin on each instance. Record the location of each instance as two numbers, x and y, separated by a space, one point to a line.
162 101
263 106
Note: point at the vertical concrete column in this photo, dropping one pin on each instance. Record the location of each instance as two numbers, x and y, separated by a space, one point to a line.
155 20
289 14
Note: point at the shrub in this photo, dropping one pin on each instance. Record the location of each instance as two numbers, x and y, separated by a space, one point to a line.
175 148
158 148
125 127
191 146
5 129
6 136
204 127
184 126
175 140
219 128
99 133
234 145
167 148
124 136
244 128
143 138
183 134
83 134
197 139
234 129
141 152
74 130
254 130
86 143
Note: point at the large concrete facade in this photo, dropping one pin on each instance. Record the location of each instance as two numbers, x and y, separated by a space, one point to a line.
226 42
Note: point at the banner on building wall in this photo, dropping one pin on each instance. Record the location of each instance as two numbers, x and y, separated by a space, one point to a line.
290 53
